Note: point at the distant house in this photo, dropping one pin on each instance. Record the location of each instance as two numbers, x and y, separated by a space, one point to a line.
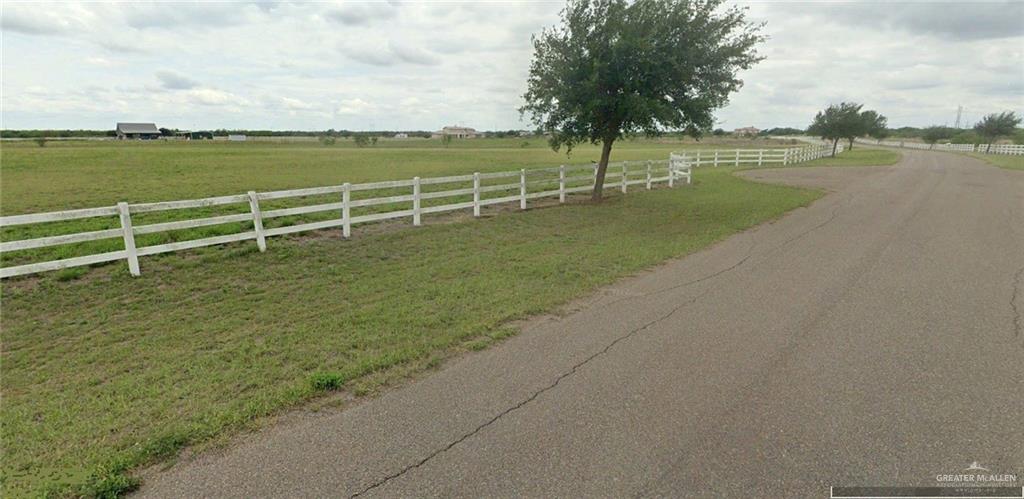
140 131
237 138
457 132
746 131
401 135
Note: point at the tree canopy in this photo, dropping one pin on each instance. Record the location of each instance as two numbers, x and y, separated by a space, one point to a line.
997 125
842 121
934 134
613 68
847 121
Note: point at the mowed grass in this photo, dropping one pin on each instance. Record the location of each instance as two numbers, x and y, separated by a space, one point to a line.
81 174
1000 160
859 156
107 372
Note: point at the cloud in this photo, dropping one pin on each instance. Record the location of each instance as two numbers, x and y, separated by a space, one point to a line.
214 97
354 107
390 53
174 81
944 20
420 65
33 21
361 14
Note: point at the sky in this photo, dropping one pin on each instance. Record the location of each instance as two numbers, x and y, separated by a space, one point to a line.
422 65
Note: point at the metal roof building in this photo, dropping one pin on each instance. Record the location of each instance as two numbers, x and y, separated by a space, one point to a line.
137 131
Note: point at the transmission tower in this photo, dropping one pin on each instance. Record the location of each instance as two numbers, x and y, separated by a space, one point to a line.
959 112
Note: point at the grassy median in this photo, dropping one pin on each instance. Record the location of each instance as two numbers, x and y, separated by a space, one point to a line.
1001 160
106 372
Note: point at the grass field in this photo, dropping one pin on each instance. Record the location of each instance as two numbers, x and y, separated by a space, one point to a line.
1002 161
859 156
104 373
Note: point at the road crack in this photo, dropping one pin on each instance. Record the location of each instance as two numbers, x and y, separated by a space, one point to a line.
1018 314
576 367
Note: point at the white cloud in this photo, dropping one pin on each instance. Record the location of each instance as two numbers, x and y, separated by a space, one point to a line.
175 81
361 65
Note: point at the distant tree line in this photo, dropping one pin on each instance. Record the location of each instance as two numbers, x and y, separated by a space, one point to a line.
31 134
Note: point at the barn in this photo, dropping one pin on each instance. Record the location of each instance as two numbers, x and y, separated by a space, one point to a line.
140 131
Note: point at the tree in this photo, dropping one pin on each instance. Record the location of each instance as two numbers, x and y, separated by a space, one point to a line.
446 140
838 122
997 125
934 134
875 125
613 68
361 140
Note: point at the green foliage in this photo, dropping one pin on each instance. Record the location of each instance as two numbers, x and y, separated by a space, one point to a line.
361 140
934 134
781 131
966 137
843 121
997 125
874 125
446 140
327 140
322 381
613 68
40 141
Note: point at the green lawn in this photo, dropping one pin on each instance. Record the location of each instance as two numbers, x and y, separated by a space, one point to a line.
1000 160
104 373
859 156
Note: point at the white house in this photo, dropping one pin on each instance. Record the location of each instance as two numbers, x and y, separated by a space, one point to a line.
458 132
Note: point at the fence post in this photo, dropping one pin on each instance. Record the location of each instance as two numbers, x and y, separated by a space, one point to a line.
522 189
649 174
716 158
624 176
698 158
671 172
737 157
476 194
785 156
346 210
561 183
257 221
415 200
760 156
129 239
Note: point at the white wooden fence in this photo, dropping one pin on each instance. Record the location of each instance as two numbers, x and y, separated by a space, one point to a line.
1006 149
757 157
567 178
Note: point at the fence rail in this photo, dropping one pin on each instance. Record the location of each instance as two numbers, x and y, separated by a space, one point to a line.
1004 149
513 187
520 186
757 157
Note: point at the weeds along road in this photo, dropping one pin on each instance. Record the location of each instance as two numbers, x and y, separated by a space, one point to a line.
874 338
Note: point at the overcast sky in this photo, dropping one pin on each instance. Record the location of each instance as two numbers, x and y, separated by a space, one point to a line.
418 66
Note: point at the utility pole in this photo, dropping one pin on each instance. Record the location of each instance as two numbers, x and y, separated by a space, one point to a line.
959 113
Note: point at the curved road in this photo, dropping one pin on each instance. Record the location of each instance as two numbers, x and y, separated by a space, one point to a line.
875 338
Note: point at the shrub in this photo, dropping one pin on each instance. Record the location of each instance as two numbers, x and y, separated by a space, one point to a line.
323 382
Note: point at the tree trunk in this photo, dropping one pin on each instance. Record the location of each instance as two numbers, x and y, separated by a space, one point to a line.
602 168
851 143
835 145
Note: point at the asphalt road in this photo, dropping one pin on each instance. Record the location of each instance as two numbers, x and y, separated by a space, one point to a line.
875 338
